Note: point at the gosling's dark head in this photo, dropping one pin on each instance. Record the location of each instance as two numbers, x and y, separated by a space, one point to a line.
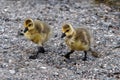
67 30
28 24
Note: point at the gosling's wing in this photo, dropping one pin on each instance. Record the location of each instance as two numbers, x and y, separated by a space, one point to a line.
38 25
41 27
46 28
82 35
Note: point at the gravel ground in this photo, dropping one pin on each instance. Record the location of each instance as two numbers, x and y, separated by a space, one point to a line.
15 50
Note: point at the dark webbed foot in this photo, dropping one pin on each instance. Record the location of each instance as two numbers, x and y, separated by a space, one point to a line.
41 49
35 56
68 60
85 56
84 59
68 54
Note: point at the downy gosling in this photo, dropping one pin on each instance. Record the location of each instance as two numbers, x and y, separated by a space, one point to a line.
78 39
38 32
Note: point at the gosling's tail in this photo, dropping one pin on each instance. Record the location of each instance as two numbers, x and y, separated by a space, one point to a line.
94 53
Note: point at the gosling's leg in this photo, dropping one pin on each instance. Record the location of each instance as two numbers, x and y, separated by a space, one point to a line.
40 50
85 56
68 54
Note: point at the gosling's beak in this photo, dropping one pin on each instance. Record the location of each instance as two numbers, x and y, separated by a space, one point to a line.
63 35
25 30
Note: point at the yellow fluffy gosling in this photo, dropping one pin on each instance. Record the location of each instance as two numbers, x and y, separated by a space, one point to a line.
38 32
78 39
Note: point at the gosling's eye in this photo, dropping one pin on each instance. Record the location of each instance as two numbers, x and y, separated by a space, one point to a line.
30 25
67 30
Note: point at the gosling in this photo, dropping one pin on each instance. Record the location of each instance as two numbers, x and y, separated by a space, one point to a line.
78 39
38 32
